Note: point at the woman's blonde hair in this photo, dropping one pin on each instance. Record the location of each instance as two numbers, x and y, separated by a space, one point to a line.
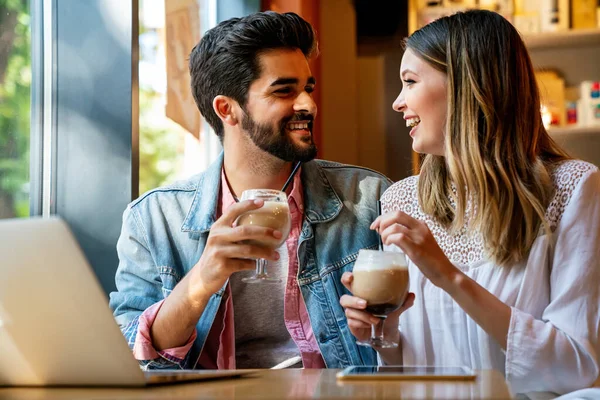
498 155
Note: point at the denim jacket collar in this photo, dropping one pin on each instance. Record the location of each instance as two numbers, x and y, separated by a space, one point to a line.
206 197
321 202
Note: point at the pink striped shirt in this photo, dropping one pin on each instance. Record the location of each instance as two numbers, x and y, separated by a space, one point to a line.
219 349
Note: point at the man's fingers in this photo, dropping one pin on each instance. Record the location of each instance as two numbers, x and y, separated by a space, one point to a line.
235 210
247 252
245 265
250 232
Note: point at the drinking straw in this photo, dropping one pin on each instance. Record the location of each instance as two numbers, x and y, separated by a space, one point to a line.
287 183
378 235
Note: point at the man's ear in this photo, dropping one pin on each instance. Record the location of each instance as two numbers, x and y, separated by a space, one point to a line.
225 108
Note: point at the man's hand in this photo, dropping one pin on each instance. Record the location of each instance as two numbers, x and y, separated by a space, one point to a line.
227 252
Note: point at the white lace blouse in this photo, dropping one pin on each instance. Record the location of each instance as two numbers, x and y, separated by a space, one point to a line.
553 339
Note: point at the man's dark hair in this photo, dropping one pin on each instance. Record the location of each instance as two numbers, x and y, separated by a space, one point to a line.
225 61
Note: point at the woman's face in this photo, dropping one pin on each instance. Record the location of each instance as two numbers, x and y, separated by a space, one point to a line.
423 103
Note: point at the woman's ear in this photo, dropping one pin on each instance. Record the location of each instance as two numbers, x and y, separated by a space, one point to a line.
225 109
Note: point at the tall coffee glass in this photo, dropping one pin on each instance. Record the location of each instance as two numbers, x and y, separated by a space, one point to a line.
381 279
274 214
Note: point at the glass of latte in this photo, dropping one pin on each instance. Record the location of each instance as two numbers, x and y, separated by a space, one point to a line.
274 214
381 279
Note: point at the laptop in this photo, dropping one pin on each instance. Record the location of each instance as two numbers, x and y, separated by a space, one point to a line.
56 328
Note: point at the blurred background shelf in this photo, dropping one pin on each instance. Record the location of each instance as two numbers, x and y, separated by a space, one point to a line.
574 38
573 131
572 55
582 143
576 54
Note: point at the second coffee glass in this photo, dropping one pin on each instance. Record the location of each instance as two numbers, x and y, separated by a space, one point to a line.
381 279
275 214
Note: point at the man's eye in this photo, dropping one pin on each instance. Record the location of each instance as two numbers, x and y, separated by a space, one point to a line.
283 91
309 89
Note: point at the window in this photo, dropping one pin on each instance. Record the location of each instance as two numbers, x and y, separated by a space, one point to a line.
69 111
175 142
15 97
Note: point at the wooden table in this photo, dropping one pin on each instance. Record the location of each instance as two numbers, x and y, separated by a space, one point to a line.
286 384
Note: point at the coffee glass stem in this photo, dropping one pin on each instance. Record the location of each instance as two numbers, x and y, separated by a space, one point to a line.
377 330
261 275
377 338
261 267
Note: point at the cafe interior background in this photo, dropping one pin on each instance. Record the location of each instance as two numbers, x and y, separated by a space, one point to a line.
95 106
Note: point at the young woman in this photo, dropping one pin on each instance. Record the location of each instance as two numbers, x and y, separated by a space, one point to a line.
501 227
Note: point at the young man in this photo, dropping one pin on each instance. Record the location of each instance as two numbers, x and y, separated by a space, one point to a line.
180 300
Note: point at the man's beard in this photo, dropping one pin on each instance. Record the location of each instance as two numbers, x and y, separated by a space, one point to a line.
279 143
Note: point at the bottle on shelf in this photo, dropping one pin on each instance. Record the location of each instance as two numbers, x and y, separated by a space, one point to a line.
571 113
583 14
590 103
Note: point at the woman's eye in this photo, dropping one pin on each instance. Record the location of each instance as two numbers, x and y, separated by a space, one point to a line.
408 81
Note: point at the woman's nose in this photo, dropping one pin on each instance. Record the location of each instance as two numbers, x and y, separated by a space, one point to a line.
399 104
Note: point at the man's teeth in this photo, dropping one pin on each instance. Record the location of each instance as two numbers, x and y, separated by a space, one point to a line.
298 126
412 122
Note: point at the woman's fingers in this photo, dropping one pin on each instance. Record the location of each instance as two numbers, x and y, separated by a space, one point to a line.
408 302
362 316
354 307
397 217
375 225
348 301
402 239
392 230
347 279
408 246
354 324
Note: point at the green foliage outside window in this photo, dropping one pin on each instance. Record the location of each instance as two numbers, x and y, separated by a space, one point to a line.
161 140
15 84
159 144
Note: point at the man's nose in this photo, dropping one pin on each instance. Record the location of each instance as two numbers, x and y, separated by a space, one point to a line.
305 103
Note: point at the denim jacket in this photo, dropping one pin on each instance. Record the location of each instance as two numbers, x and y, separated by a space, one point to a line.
165 231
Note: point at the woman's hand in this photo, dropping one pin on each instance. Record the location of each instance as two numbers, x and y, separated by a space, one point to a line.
417 242
359 321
